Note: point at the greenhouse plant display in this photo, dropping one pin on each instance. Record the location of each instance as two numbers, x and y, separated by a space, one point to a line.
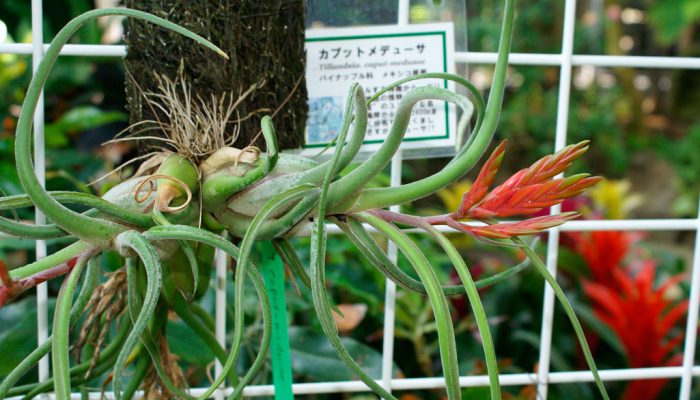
166 221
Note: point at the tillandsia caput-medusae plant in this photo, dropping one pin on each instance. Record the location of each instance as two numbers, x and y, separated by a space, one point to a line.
166 222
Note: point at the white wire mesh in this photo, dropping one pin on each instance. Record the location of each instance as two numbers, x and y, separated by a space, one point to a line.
42 296
566 60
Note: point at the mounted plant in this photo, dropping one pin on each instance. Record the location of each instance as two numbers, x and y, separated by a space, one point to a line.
165 222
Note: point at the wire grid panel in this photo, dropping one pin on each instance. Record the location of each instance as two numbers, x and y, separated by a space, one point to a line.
565 60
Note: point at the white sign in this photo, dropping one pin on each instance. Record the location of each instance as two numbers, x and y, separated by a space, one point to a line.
375 57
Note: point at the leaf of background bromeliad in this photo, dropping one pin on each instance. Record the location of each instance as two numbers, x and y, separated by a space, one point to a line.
79 119
314 358
17 332
187 345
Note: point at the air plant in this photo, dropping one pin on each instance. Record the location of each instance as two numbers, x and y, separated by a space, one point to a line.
164 225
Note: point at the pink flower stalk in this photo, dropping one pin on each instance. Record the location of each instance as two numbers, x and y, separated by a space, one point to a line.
9 288
527 192
7 284
505 230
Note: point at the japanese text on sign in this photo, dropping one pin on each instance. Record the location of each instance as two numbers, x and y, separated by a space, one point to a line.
376 57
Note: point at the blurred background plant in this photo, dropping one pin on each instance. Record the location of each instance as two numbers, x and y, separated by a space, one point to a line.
645 133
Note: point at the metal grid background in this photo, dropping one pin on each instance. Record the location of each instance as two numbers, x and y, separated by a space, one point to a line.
566 60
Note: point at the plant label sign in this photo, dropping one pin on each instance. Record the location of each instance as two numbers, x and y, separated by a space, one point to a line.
375 57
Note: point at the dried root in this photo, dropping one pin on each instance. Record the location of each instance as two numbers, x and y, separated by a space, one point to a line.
153 388
106 304
192 127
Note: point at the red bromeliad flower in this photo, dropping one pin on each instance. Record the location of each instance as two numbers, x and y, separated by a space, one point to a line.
525 193
603 252
644 320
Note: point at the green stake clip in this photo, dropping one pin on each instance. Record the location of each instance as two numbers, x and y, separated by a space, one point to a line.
273 273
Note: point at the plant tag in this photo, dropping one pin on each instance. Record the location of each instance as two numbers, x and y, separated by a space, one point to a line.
375 57
273 274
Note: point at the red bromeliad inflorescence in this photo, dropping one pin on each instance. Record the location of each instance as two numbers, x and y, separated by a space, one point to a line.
526 192
604 253
645 320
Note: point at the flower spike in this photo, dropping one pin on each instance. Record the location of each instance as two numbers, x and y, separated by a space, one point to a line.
549 166
531 199
482 183
529 190
507 230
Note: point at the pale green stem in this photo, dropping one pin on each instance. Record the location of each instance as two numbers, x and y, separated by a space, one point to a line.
147 340
479 102
52 260
355 102
237 224
446 335
318 283
137 376
358 178
217 189
135 241
182 232
290 256
61 332
183 310
261 358
92 278
476 305
243 264
569 310
36 232
369 248
105 360
83 199
204 316
161 219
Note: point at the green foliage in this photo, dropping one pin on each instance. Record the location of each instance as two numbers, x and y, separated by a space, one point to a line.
18 335
684 155
77 120
314 358
189 347
670 18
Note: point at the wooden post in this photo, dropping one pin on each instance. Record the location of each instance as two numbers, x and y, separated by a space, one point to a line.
265 43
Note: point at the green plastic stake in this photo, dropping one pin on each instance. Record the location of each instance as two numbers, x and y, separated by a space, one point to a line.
273 273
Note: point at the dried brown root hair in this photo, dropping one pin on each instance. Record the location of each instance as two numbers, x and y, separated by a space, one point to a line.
107 302
191 126
153 387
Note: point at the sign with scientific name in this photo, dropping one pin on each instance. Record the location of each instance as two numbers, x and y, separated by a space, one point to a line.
375 57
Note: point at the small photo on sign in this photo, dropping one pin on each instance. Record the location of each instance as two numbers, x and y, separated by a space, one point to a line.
375 57
324 119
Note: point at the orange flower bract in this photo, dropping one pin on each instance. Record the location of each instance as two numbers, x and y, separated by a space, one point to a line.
526 192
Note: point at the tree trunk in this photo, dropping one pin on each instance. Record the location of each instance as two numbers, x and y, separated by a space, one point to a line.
265 43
